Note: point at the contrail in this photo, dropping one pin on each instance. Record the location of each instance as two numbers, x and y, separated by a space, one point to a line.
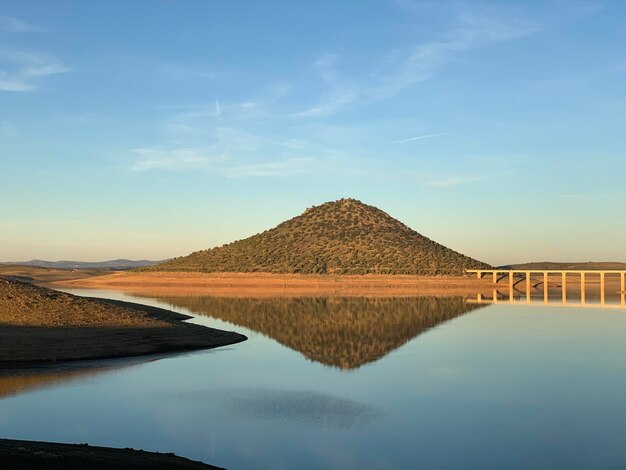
218 110
420 137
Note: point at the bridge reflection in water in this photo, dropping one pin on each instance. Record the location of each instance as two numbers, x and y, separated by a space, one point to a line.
605 289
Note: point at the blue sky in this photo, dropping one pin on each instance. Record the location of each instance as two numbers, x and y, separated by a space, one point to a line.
150 129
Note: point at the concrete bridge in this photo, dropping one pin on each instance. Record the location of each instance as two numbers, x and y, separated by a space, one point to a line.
516 276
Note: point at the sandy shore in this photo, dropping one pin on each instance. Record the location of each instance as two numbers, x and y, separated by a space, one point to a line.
265 284
16 454
41 325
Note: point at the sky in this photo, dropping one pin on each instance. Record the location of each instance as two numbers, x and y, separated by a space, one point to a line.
151 129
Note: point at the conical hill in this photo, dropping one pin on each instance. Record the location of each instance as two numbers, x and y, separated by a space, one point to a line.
339 237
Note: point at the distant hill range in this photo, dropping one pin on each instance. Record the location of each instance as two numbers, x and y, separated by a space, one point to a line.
584 266
340 237
116 264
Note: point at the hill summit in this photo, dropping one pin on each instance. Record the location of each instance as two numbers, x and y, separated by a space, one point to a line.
339 237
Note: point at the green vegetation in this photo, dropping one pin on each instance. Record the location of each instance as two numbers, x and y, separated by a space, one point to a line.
340 237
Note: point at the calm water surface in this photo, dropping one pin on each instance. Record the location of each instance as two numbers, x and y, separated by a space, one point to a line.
353 383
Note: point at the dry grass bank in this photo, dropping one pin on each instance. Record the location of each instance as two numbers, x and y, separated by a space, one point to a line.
42 325
266 284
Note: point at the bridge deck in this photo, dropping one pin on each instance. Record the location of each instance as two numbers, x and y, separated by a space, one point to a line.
549 271
527 274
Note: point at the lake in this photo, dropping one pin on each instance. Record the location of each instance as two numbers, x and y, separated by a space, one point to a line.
352 382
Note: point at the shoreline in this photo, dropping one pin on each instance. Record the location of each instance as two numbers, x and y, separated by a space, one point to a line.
262 285
82 329
268 284
96 344
51 455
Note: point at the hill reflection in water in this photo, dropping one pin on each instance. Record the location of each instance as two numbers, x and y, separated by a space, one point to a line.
16 381
343 332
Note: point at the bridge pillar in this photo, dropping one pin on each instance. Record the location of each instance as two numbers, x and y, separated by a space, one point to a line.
511 275
582 288
602 297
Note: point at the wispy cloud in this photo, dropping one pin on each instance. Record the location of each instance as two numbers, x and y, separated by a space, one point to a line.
20 71
424 61
205 160
295 144
341 92
410 66
200 116
10 24
277 168
450 182
420 137
336 102
199 119
176 159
